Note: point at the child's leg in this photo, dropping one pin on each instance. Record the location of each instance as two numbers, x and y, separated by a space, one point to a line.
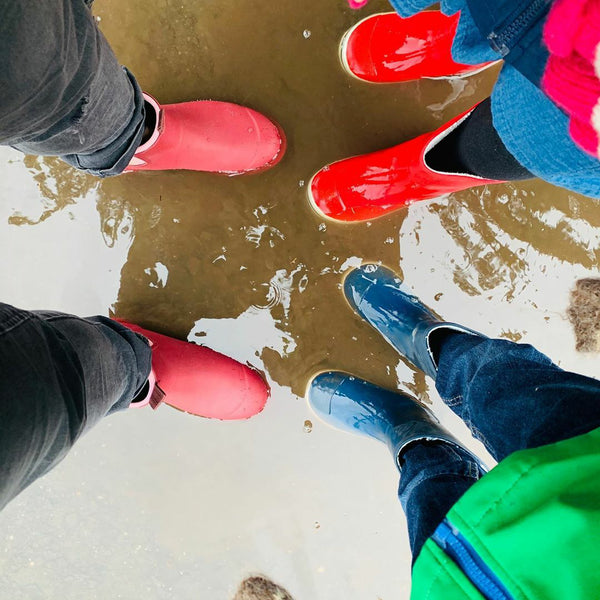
475 148
434 476
512 396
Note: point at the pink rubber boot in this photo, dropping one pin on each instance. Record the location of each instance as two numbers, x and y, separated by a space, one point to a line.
198 380
205 135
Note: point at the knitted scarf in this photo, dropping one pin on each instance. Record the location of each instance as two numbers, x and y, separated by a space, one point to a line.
572 76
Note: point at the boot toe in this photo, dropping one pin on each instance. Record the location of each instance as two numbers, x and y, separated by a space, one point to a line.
355 52
264 139
216 387
252 394
323 195
215 137
322 389
360 280
203 382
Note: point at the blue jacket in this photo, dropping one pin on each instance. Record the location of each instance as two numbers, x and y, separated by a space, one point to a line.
533 129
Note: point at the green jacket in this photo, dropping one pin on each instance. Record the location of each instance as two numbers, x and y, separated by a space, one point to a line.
529 529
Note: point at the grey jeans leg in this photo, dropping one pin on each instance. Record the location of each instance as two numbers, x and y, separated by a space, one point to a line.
59 375
63 90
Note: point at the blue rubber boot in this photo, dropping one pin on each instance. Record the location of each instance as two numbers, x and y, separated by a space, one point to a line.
381 299
357 406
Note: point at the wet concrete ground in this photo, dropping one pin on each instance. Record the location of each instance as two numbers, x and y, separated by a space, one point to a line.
163 505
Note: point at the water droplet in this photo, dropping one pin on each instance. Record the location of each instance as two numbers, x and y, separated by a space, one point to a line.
301 183
370 268
306 33
303 283
250 129
322 227
307 426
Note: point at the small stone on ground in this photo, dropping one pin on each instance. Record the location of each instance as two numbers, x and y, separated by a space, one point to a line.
260 588
584 314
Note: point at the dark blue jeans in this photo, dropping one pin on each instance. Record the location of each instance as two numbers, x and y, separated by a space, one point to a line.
59 375
512 397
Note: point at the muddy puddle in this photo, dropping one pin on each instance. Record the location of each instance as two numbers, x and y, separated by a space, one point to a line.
243 265
245 257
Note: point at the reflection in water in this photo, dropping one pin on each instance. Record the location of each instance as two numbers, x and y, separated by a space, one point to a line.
459 86
245 337
242 263
501 228
59 253
59 186
117 220
281 286
263 282
159 274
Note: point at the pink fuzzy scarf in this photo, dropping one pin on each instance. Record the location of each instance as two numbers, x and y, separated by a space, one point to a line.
357 3
572 76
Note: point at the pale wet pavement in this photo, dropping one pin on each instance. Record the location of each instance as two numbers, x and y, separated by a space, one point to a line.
161 505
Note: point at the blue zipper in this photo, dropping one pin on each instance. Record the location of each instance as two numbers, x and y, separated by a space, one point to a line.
504 41
452 542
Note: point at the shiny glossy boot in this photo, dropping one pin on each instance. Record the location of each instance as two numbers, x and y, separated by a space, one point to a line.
385 48
382 299
372 185
357 406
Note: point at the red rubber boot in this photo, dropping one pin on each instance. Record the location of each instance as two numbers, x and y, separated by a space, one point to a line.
371 185
205 135
385 48
198 380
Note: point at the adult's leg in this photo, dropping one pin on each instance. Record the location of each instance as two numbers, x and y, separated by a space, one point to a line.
64 94
59 375
511 395
63 90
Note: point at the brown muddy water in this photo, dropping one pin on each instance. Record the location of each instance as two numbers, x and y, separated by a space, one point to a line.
231 244
243 264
